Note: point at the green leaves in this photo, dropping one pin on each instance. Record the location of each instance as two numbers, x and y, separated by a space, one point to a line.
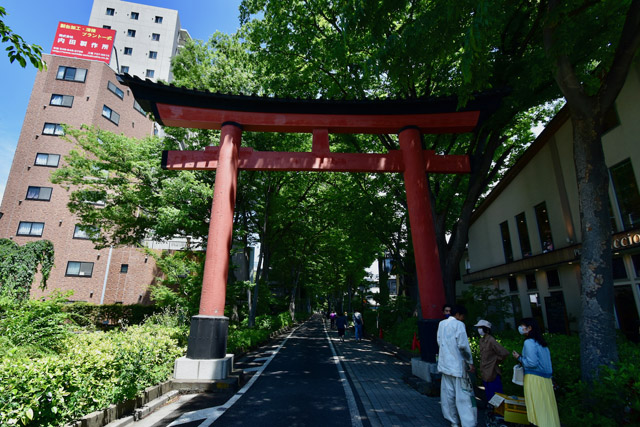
94 371
19 265
18 49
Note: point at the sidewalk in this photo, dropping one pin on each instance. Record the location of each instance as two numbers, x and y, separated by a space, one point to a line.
377 377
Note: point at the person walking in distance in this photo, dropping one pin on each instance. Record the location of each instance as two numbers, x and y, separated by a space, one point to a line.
357 322
341 324
332 317
454 363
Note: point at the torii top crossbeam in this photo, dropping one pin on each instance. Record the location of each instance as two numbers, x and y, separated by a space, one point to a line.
175 106
181 107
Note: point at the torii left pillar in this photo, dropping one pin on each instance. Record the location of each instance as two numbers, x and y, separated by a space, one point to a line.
206 351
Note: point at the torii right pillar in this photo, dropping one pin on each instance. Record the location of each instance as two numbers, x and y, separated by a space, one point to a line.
425 247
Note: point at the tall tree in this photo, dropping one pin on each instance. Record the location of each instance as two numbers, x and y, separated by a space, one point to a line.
414 49
591 89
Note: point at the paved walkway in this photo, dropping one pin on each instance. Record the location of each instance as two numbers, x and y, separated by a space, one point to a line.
377 377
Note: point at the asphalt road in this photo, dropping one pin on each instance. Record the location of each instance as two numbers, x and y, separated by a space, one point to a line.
301 386
296 381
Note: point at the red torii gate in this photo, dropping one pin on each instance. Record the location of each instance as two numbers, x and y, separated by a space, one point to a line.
180 107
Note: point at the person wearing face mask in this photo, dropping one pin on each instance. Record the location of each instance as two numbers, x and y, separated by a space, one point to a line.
491 355
446 311
542 409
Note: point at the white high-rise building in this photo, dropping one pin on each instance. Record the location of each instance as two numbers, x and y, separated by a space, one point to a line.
147 37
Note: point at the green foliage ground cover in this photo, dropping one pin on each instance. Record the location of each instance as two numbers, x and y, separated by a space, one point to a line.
89 372
611 401
55 366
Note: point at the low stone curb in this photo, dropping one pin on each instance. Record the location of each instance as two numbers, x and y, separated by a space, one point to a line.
147 409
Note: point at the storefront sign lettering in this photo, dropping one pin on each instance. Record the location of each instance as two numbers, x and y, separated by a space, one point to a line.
626 241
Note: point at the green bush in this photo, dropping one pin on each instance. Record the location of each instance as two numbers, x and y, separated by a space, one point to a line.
401 334
96 369
108 315
242 338
39 327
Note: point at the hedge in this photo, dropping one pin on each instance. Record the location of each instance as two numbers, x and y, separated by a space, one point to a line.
96 370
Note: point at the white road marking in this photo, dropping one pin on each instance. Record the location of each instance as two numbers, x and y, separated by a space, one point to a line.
212 414
356 418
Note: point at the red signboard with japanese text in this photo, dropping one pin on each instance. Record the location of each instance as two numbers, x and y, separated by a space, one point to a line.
84 42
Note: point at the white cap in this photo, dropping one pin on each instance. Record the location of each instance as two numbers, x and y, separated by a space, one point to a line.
484 323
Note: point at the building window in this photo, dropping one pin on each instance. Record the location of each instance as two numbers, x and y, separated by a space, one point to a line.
506 242
544 228
128 50
116 90
79 269
30 228
111 11
150 73
61 100
46 159
53 129
155 37
39 193
619 270
135 15
124 69
71 74
131 33
158 20
523 234
84 232
110 114
106 27
124 268
531 282
138 108
636 263
513 284
553 279
627 195
153 54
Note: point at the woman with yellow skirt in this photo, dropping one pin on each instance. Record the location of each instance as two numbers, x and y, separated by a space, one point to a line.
539 397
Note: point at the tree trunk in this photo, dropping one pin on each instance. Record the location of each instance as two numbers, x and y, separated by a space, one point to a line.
383 283
292 297
597 325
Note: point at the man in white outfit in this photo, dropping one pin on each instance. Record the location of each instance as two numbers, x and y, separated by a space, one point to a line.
454 360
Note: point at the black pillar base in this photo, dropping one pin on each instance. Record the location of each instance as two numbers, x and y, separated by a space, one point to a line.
428 333
208 337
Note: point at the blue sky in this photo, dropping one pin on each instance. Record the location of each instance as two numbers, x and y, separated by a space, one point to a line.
36 21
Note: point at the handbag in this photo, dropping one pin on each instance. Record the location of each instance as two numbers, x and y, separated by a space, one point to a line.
518 374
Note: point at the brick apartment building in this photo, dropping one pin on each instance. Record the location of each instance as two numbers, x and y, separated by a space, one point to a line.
75 92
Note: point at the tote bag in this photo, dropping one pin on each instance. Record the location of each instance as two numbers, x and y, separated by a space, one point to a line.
518 375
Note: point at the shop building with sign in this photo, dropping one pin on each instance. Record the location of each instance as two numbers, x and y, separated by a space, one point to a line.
525 237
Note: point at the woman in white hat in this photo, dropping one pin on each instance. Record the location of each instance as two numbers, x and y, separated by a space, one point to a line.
491 354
